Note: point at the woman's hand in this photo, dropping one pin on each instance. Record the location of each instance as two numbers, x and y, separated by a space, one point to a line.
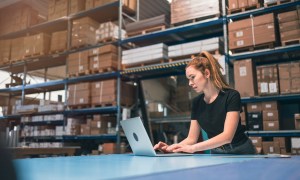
181 148
161 146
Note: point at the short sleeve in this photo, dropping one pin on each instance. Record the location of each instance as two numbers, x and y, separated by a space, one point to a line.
234 102
194 108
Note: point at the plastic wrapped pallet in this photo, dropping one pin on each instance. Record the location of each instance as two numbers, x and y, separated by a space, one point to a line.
84 32
289 77
145 54
289 26
184 10
58 41
108 32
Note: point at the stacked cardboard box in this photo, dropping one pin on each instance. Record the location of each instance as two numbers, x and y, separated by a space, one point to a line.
17 49
295 142
270 116
108 32
254 116
89 4
57 9
267 80
297 121
257 142
109 148
73 126
211 45
77 6
289 25
5 46
83 32
102 124
78 63
235 4
289 77
271 147
21 16
147 54
251 32
105 92
79 94
244 71
183 10
103 58
59 41
38 44
282 144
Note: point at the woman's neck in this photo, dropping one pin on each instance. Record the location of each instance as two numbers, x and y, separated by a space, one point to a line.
210 93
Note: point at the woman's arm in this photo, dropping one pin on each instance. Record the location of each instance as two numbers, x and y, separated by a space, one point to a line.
231 123
193 135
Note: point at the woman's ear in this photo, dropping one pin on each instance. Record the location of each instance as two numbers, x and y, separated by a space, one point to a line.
207 74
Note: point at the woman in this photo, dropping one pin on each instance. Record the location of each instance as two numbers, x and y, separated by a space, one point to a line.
216 110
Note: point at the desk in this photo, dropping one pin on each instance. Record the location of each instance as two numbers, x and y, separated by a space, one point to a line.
20 152
126 166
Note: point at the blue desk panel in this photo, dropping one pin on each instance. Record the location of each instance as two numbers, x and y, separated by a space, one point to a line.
139 167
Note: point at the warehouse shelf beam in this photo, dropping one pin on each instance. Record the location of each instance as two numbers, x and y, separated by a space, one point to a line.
102 137
10 117
38 123
258 53
96 110
280 133
184 119
263 10
171 35
271 98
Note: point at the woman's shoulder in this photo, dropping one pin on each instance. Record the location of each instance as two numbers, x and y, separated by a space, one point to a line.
197 98
231 92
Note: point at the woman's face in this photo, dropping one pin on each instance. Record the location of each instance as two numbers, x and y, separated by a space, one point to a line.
196 79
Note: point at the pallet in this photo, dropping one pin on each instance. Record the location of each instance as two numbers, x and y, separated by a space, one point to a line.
243 9
81 46
81 106
144 63
291 42
102 70
278 2
194 20
270 45
108 104
58 51
146 31
34 55
86 72
106 40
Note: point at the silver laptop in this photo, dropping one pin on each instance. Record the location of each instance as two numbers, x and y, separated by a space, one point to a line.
139 140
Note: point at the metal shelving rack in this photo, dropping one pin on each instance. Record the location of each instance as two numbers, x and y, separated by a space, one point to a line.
106 12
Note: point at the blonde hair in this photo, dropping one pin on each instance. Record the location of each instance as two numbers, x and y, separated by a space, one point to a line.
206 61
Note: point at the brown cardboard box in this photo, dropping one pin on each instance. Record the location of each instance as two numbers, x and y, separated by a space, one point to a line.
38 44
257 141
57 9
271 125
288 16
284 71
252 2
247 23
281 141
103 50
289 35
288 26
254 107
270 115
58 41
295 69
77 6
297 121
243 3
244 72
5 47
79 94
267 79
295 85
17 49
78 62
85 129
109 148
271 147
285 86
104 62
271 105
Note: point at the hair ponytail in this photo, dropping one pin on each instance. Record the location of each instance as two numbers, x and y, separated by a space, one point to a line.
206 61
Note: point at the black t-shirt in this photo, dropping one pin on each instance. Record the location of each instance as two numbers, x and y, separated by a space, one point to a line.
211 117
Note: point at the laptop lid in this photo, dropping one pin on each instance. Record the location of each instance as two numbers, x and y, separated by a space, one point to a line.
137 137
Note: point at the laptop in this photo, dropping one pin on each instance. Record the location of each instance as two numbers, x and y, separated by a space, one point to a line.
139 140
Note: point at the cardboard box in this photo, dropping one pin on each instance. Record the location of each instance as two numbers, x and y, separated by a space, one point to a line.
58 41
103 50
271 105
254 107
253 2
281 141
270 115
267 79
288 16
244 72
85 129
290 35
289 26
295 70
271 125
243 3
104 62
109 148
295 142
57 9
295 85
271 147
76 6
254 121
38 44
256 141
297 121
78 62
